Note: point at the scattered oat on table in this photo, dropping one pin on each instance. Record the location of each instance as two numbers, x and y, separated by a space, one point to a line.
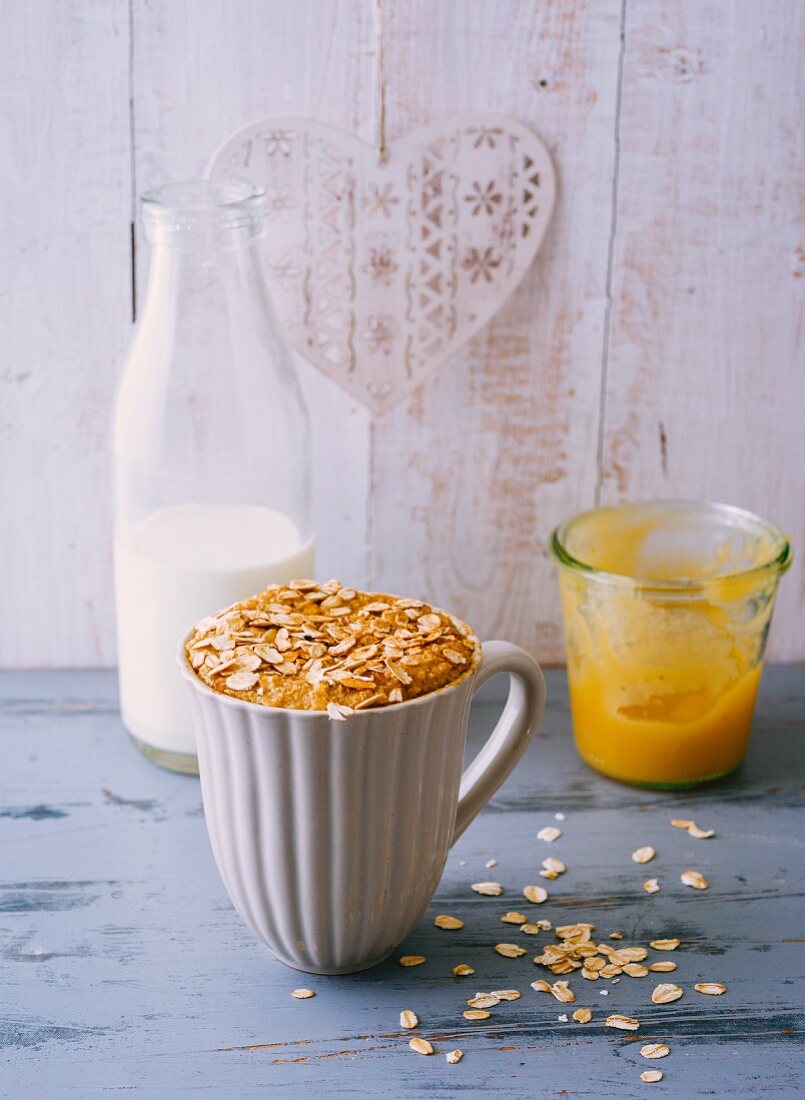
693 829
655 1050
420 1046
489 863
552 868
454 1056
694 879
411 960
624 1023
559 817
576 932
513 918
303 994
561 991
448 922
488 889
535 894
665 994
628 954
509 950
576 949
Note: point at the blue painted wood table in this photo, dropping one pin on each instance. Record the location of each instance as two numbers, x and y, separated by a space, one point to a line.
123 966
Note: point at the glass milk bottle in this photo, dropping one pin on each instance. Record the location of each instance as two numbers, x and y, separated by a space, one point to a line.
211 450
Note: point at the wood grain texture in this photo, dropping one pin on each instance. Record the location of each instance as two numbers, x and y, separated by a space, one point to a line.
705 387
123 966
471 476
65 310
651 350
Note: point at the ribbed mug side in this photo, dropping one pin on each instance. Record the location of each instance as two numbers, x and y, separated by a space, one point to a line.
331 837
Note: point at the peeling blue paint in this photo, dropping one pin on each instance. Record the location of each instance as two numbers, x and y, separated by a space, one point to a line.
17 1033
48 897
33 813
137 803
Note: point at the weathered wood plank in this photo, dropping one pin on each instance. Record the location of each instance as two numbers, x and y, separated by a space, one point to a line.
65 311
203 70
704 381
122 964
469 478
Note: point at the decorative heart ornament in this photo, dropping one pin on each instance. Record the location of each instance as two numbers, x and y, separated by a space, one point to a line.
379 272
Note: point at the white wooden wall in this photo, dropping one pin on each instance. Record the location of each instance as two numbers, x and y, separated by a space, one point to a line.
651 351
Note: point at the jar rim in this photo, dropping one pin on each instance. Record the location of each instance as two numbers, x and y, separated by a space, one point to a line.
779 560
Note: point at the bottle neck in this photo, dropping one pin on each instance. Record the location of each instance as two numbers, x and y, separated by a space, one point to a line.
186 276
203 237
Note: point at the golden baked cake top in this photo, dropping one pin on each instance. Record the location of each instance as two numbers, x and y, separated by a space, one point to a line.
308 646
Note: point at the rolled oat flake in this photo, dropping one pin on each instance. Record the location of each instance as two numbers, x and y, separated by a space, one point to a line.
655 1050
651 1075
412 960
665 994
694 879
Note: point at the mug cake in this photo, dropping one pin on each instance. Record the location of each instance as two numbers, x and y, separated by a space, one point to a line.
328 647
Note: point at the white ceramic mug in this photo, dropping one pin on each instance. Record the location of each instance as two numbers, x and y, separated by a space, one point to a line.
331 837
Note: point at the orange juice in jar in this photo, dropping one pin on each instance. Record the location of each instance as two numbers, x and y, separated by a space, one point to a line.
666 609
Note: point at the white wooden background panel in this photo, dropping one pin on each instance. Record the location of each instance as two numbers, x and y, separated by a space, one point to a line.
651 351
471 476
65 315
705 383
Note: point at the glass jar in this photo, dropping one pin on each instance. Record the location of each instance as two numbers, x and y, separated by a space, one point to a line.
667 608
211 450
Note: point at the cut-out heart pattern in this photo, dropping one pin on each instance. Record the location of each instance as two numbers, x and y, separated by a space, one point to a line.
379 272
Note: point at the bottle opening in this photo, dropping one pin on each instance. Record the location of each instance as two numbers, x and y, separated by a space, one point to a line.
203 205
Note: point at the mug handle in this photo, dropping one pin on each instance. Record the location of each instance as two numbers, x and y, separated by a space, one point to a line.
509 739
